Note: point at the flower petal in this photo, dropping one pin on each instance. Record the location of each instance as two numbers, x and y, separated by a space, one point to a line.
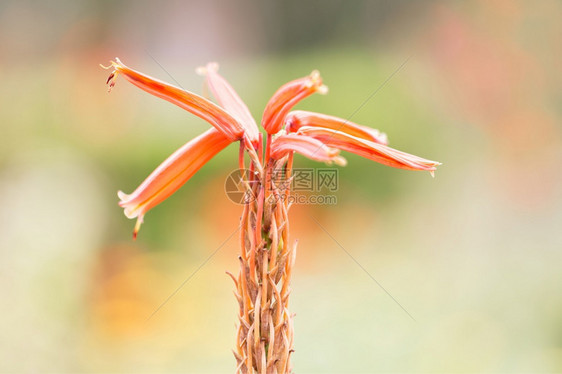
371 150
172 174
286 97
201 107
306 146
229 100
299 118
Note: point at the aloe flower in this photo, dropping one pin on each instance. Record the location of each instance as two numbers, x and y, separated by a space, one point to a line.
305 145
172 174
299 118
264 341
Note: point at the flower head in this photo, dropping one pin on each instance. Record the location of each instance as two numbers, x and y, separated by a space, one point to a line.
317 136
265 333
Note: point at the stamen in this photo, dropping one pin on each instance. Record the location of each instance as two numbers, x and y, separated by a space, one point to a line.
316 81
111 76
137 226
111 79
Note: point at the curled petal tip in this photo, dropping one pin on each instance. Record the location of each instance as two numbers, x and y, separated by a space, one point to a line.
432 174
322 89
130 210
122 195
340 161
315 82
213 66
210 67
315 78
383 138
123 200
112 64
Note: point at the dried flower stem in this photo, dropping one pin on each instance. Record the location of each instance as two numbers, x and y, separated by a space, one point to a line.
264 342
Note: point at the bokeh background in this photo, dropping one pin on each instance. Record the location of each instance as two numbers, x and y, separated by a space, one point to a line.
474 255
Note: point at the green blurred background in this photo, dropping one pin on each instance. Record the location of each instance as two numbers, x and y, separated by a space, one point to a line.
474 255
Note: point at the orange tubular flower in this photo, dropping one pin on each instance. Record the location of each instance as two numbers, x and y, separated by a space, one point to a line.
201 107
172 174
306 146
299 118
286 97
229 100
368 149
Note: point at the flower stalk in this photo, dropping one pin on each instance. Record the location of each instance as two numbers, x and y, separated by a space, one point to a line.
264 341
